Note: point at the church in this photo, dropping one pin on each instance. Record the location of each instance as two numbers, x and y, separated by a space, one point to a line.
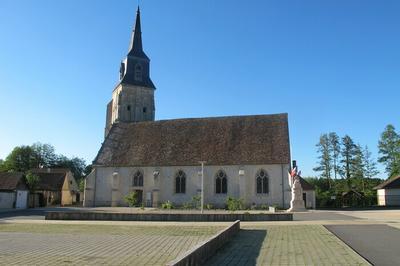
245 157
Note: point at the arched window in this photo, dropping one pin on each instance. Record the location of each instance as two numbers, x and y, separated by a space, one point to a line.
180 182
221 183
262 182
138 179
138 72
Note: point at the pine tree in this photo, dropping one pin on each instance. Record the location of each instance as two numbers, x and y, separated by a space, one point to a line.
335 151
370 169
348 154
358 163
389 148
325 159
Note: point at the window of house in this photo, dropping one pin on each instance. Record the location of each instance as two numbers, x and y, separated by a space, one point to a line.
138 179
138 72
262 182
144 109
180 182
128 107
221 183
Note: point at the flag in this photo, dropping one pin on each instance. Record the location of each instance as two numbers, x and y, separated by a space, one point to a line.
293 173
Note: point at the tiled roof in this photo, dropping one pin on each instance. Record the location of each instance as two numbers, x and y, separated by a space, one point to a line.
52 180
259 139
305 185
12 181
393 183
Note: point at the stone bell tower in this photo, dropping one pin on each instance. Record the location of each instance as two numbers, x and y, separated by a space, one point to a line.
133 97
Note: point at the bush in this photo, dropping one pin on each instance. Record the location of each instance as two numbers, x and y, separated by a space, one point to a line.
209 206
234 204
167 205
131 199
196 201
187 205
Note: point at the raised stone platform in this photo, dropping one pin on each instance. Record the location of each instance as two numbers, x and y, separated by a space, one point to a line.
167 216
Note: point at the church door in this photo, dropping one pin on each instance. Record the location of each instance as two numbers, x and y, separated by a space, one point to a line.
139 197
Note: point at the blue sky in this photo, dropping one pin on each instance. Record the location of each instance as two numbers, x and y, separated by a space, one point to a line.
331 65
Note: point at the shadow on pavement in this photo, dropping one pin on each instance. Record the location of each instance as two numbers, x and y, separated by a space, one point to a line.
243 249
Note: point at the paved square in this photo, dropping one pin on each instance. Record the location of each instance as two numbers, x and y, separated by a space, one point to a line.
286 245
65 244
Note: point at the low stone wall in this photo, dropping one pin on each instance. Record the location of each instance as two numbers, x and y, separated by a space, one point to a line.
200 253
185 217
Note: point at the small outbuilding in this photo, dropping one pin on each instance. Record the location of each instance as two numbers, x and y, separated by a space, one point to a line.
13 191
308 194
388 193
56 187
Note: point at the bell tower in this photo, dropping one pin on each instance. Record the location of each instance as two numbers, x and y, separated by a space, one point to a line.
133 97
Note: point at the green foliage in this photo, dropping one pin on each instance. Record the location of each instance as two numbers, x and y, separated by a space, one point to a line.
389 149
234 204
131 199
81 184
196 201
167 205
32 180
325 158
187 205
25 158
209 206
332 197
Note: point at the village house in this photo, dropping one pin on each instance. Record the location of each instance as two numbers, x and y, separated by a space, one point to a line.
13 191
388 192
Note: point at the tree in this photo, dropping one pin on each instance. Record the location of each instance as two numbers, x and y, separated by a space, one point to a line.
389 148
325 159
357 165
348 153
21 159
370 169
33 181
45 155
334 141
75 164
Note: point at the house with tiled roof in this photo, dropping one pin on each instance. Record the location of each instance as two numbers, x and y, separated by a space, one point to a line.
245 157
13 191
56 187
388 192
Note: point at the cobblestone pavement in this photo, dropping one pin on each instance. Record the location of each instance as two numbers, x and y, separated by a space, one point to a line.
286 245
49 244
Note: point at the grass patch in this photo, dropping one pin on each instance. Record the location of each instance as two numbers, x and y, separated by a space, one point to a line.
111 229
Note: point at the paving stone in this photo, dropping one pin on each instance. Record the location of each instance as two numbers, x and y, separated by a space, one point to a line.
286 245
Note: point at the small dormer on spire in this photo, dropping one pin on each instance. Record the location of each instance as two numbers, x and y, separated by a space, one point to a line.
135 68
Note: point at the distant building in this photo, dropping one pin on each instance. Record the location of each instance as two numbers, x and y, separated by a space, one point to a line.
388 192
308 194
13 191
56 187
246 157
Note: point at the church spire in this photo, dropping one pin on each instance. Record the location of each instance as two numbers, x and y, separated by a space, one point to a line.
136 46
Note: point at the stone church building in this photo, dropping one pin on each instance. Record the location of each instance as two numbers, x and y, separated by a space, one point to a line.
245 157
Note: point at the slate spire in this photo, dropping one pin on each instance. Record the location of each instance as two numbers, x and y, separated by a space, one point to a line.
136 46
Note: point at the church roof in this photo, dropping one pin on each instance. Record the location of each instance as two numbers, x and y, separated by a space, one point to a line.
236 140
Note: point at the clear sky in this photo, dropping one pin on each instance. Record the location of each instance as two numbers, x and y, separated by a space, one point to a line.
331 65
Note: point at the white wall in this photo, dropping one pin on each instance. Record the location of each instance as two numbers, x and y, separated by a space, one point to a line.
388 197
106 186
7 200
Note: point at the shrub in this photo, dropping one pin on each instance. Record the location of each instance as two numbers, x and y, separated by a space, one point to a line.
167 205
234 204
209 206
196 201
131 199
187 205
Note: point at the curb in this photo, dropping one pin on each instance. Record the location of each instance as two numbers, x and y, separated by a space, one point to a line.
203 251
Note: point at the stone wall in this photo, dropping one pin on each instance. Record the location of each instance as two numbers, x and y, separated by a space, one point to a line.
106 186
